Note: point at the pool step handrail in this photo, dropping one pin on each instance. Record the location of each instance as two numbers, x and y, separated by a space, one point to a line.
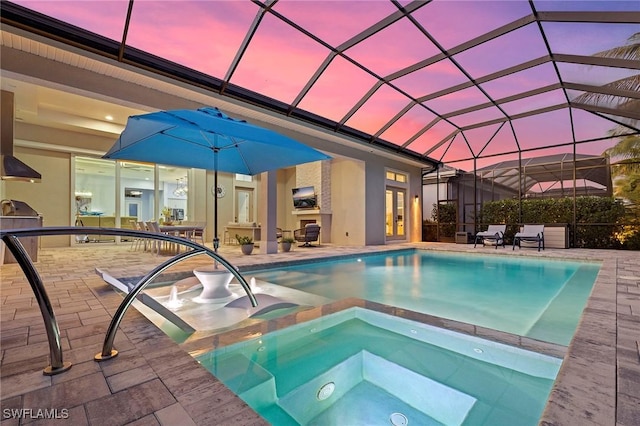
57 365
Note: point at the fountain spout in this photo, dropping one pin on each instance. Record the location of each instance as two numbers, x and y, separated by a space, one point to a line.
174 302
252 285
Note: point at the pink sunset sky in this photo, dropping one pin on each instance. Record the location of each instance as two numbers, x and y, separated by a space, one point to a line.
280 60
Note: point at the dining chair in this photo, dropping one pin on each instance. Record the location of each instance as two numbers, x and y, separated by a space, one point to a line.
137 242
155 245
143 227
197 233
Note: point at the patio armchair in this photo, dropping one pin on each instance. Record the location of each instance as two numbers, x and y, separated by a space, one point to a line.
494 233
530 233
307 235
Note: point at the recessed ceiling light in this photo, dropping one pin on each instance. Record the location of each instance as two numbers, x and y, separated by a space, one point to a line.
108 117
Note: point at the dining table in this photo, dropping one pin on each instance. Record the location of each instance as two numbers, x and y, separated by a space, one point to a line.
187 231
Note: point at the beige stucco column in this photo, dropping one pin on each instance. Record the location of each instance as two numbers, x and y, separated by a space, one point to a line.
267 212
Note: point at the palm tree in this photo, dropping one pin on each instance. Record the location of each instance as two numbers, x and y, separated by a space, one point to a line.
626 152
628 188
626 171
629 51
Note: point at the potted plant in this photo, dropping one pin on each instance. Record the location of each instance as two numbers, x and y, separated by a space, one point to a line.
166 212
286 243
246 243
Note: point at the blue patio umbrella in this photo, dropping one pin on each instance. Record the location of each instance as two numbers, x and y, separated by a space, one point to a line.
207 138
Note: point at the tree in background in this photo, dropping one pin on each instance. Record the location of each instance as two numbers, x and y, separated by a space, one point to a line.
620 93
626 153
626 171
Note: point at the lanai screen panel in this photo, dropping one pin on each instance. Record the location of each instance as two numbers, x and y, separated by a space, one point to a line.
190 33
105 18
445 69
278 61
328 98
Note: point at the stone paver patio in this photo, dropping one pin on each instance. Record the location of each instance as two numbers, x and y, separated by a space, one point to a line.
155 381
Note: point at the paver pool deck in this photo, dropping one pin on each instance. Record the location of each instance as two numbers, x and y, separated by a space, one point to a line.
155 381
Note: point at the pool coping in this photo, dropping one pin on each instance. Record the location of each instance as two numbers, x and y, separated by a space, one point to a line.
598 383
585 389
577 395
377 314
262 327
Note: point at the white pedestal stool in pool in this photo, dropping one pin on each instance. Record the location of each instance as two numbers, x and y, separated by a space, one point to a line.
215 285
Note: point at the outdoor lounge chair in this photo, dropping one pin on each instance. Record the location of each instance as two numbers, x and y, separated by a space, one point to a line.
531 233
494 233
307 235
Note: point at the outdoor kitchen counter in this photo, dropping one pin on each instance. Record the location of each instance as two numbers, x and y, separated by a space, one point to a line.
30 243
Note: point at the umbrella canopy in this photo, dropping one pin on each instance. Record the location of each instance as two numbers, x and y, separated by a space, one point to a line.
197 138
208 139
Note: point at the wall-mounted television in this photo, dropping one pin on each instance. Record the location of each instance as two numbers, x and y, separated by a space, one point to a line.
304 198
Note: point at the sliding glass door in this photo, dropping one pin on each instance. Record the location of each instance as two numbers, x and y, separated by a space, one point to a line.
116 194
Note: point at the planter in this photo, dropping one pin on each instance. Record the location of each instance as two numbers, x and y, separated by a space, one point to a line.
286 246
246 248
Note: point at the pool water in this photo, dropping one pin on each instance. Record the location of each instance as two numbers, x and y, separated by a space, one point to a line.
360 367
541 299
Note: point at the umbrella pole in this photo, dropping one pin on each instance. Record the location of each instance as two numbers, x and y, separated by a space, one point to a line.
216 240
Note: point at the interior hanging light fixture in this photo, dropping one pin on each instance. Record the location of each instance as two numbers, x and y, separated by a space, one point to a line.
181 187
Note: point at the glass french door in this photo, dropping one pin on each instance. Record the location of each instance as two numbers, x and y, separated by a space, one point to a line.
395 213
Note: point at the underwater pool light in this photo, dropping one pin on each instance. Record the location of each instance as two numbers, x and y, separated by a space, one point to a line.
325 391
398 419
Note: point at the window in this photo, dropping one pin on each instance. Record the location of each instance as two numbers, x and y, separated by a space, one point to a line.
95 182
397 177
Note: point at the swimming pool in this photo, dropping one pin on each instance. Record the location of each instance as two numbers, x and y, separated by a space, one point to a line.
537 298
364 367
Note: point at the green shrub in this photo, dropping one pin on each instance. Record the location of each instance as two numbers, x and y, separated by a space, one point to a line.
598 219
631 238
446 216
